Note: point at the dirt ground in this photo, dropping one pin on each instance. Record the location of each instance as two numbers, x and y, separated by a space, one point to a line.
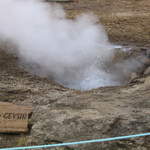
125 20
61 114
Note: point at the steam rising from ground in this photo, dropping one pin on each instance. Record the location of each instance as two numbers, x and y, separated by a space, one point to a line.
74 53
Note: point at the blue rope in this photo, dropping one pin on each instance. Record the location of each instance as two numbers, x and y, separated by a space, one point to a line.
77 143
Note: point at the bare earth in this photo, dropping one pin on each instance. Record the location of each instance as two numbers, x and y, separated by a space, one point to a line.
125 20
63 115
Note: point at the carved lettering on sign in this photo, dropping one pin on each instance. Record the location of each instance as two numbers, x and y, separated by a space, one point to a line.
14 116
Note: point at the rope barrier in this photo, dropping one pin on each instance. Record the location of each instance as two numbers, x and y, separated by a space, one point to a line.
78 143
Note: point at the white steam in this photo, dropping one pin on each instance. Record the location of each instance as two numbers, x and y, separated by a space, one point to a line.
71 52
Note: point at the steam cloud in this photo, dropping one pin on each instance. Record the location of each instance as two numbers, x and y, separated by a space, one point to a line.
74 53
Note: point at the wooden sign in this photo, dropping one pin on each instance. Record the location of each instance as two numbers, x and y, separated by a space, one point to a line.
14 118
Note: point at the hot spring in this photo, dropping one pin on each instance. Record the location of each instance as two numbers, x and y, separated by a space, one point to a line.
75 53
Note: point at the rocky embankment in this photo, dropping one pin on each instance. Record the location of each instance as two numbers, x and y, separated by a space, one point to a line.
62 115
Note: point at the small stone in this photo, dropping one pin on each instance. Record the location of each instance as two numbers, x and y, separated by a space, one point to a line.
147 71
148 53
144 60
143 49
133 76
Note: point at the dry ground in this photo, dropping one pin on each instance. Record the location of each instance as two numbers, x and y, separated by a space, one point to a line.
125 20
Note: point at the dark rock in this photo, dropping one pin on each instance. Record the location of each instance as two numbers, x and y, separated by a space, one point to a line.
147 71
148 53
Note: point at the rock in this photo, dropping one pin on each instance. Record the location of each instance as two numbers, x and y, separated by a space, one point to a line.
148 53
147 71
133 76
64 115
68 115
144 60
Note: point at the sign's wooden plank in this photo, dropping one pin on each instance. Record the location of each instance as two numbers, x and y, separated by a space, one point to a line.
14 118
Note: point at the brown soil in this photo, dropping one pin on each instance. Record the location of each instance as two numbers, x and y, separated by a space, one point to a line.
125 20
